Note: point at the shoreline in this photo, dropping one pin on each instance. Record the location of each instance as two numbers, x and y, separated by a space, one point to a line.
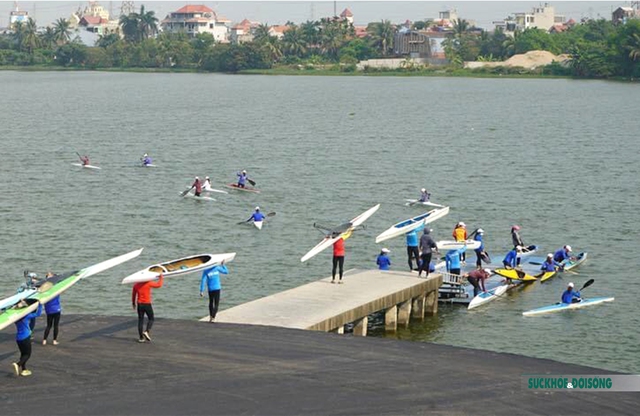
194 367
326 73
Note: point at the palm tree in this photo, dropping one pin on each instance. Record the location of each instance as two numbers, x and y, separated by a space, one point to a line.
382 35
130 27
293 42
48 38
147 23
18 34
460 27
634 46
271 46
30 40
310 30
106 40
61 29
262 33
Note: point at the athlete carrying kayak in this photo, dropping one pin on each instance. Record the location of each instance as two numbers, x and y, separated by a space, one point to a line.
412 247
571 296
23 339
141 300
211 277
257 216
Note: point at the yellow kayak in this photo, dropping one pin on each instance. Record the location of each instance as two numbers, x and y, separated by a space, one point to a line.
516 274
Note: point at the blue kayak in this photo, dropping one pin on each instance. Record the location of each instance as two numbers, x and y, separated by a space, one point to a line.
565 306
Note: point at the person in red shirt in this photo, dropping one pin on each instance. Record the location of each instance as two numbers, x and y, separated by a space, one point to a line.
141 297
338 259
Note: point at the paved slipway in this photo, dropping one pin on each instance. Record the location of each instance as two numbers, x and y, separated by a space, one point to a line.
201 368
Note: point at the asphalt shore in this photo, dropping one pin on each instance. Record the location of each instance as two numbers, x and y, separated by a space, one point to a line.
197 368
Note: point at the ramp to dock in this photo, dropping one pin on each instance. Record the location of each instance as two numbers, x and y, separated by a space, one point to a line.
324 306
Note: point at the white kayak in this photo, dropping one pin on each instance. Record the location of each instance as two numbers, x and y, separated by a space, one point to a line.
446 245
328 241
411 224
13 300
565 306
179 267
86 166
488 296
201 197
149 165
258 224
210 189
411 202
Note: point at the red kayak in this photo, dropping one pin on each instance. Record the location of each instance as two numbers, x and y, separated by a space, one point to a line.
246 189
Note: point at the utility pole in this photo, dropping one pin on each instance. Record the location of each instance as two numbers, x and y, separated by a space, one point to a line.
335 5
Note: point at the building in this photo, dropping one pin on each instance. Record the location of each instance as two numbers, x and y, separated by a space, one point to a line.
17 15
542 17
347 15
196 19
622 14
412 43
278 31
94 18
243 31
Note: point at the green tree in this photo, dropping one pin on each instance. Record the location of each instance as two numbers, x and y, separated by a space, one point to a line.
62 31
294 43
106 40
147 23
381 34
30 39
48 38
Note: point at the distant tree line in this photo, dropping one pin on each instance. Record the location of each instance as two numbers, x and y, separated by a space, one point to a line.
597 48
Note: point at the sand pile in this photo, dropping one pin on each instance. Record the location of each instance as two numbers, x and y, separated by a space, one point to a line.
529 60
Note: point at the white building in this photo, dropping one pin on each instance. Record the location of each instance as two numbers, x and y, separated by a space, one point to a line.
196 19
543 17
18 15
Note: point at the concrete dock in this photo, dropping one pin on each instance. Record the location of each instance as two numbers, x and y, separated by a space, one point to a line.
323 306
197 368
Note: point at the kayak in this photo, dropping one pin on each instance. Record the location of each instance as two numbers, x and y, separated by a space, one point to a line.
568 264
179 267
150 165
328 241
245 189
86 166
56 285
455 245
201 197
488 296
411 202
209 189
517 274
411 224
547 276
565 306
258 224
12 300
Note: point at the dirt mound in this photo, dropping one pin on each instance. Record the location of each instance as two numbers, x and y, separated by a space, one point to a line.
531 59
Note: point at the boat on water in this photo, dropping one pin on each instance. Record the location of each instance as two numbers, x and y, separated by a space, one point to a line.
86 166
403 227
558 307
245 189
178 267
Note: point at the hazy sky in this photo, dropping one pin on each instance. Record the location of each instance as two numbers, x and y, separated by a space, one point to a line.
278 12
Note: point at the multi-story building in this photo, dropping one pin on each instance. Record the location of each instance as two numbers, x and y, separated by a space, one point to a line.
196 19
243 31
94 19
18 15
347 15
543 17
622 14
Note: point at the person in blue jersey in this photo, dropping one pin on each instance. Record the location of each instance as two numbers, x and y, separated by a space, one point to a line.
53 310
424 195
146 160
413 251
570 295
383 260
480 250
23 339
512 259
453 260
257 216
211 277
550 265
563 254
242 179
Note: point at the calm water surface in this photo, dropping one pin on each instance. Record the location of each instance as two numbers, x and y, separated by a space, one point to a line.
558 157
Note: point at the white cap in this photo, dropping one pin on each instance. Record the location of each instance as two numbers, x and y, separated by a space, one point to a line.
207 177
145 155
549 255
32 275
423 190
571 284
244 171
257 208
568 248
462 224
487 271
518 248
480 231
386 250
197 177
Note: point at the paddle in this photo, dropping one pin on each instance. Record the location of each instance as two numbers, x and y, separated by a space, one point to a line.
586 285
251 181
186 192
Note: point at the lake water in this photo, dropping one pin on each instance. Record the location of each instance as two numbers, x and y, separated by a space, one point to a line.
558 157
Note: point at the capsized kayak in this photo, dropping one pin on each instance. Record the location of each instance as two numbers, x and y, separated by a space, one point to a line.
185 265
411 202
328 241
245 189
446 245
488 296
86 166
411 224
58 284
565 306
